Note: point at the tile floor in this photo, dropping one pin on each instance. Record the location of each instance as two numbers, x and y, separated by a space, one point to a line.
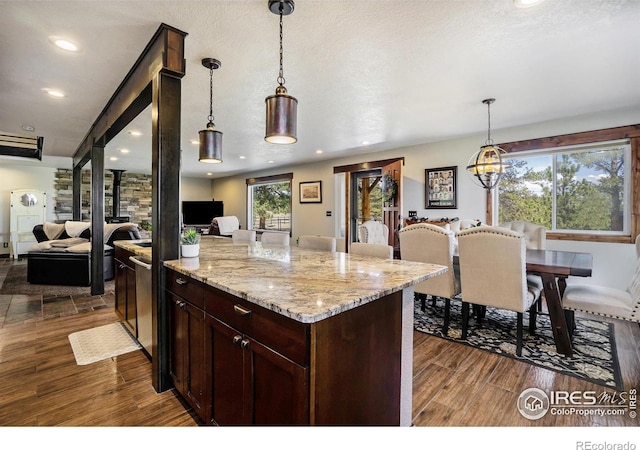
16 309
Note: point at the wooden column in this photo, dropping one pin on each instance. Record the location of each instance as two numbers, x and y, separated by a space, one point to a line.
97 220
165 219
77 193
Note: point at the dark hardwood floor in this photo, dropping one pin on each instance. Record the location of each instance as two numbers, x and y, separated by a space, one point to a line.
454 385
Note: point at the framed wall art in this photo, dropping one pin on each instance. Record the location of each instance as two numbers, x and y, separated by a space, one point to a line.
311 192
441 188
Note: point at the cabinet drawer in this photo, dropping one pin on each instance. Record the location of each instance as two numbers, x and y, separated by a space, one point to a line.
282 334
186 287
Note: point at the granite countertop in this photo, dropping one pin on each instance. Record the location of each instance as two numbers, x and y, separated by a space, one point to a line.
305 285
134 247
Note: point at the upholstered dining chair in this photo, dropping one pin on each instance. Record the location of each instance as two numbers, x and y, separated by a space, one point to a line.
536 239
324 243
603 301
373 232
273 238
493 274
376 250
429 243
244 235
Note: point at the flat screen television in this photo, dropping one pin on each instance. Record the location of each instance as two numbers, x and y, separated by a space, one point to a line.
201 212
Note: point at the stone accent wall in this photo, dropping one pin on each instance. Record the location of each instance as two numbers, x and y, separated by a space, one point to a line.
135 195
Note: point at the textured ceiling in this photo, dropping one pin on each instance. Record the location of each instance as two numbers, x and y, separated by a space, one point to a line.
392 73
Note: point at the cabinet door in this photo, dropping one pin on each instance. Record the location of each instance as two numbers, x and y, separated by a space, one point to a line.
177 343
225 359
276 389
121 290
186 352
195 359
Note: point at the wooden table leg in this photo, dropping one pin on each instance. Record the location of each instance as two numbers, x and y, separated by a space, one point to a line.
556 314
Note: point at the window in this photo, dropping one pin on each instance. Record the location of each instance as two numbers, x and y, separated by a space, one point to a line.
269 203
580 189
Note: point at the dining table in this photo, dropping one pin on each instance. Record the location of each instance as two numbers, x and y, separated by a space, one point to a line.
554 267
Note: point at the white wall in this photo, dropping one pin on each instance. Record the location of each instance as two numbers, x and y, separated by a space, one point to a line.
13 176
195 189
613 263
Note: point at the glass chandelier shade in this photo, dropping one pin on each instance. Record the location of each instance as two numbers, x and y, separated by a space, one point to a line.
210 139
486 165
281 108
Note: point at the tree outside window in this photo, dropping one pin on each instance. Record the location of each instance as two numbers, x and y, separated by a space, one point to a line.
576 190
270 203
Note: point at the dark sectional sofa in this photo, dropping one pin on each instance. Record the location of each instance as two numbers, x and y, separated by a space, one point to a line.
66 260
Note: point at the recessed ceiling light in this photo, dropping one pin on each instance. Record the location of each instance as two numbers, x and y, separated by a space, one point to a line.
526 3
135 133
271 161
242 157
54 92
64 44
124 150
194 141
113 158
28 128
209 173
365 142
319 151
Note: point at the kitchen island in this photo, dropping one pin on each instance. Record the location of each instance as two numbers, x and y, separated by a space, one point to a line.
272 334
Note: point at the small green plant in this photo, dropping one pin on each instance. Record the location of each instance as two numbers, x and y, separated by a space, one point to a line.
190 237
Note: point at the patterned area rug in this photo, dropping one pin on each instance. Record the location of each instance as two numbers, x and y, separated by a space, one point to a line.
16 283
96 344
594 358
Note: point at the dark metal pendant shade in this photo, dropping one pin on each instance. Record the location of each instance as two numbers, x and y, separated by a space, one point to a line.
210 146
210 139
281 123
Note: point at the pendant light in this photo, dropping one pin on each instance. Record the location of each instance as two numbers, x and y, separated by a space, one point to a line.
210 138
486 166
282 108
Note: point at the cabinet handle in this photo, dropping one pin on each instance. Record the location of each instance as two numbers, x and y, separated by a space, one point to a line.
181 281
180 304
237 338
242 311
244 343
122 266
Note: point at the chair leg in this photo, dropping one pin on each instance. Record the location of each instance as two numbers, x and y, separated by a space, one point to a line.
519 331
433 300
447 310
533 314
465 319
422 301
569 316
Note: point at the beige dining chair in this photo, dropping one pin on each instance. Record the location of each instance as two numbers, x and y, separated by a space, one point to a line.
324 243
373 232
536 239
273 238
603 301
433 244
244 236
375 250
493 274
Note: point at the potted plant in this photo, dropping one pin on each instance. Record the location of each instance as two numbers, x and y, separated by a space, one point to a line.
190 244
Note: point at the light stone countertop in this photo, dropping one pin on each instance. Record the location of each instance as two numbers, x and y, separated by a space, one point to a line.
305 285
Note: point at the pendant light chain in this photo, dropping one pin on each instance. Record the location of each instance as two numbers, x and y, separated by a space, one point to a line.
211 96
489 140
281 73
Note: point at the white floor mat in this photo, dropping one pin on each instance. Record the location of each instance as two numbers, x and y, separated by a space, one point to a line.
96 344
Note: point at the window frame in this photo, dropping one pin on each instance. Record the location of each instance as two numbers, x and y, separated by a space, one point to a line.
630 132
571 150
271 179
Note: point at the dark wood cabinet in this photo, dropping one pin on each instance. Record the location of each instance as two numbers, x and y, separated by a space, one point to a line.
252 383
187 358
238 363
125 290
